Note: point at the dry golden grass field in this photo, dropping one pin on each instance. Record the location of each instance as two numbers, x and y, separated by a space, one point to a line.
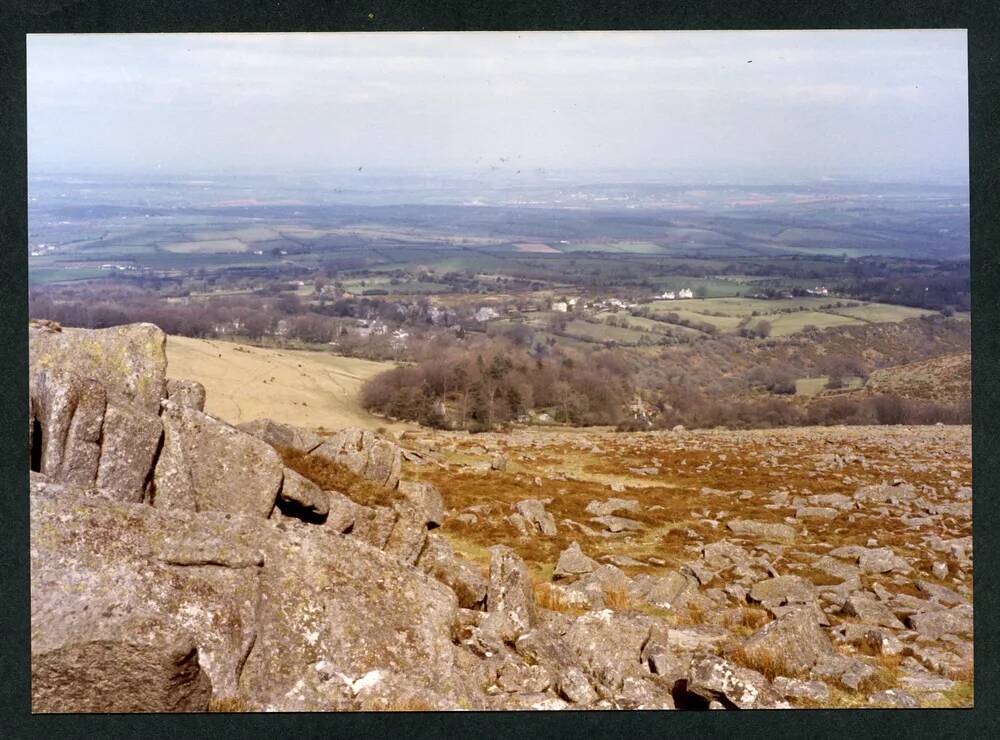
311 389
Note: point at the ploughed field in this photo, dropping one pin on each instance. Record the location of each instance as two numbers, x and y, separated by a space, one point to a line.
720 532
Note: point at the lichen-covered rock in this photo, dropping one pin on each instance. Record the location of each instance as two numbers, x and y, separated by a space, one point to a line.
69 411
427 497
129 443
143 669
795 639
128 361
782 590
716 679
283 619
609 646
882 560
510 597
870 611
409 533
366 454
572 563
667 591
341 513
611 505
107 572
795 688
617 523
606 581
439 561
187 393
207 465
278 434
335 610
374 525
544 647
763 530
880 493
934 624
535 514
894 698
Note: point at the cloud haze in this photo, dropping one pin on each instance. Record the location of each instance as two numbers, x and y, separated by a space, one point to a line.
866 104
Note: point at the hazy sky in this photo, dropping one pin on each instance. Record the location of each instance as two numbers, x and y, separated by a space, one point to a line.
867 104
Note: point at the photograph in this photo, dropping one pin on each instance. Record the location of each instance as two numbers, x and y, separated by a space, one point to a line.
440 371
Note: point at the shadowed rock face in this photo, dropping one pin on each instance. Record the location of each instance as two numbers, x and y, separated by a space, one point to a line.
69 410
120 675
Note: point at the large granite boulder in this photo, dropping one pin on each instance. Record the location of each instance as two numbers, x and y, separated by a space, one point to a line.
122 587
207 465
300 496
609 647
143 668
80 436
336 613
439 560
713 678
285 619
130 442
409 532
188 393
128 361
573 563
427 497
796 640
366 454
67 413
510 598
277 434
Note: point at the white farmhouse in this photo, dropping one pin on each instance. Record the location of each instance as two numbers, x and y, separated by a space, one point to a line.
560 306
685 293
668 295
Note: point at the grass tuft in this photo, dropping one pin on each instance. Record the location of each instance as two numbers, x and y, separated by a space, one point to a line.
332 476
231 704
766 662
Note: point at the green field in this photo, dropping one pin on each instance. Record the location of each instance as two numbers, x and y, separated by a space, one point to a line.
251 234
813 386
722 323
651 325
619 247
882 312
208 246
789 323
786 315
41 275
604 333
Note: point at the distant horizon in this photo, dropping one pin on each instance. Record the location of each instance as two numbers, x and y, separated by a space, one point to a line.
741 107
578 177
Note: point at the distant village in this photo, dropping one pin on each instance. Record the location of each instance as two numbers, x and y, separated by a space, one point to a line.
396 322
